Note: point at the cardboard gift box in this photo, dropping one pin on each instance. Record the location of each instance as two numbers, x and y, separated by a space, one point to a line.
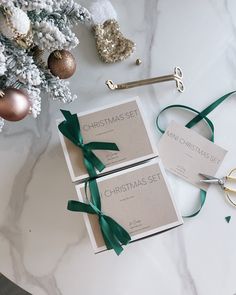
133 186
122 123
138 198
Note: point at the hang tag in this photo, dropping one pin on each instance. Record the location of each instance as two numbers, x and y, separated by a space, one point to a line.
186 153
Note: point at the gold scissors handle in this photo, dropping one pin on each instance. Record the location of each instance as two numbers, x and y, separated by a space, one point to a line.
231 177
229 190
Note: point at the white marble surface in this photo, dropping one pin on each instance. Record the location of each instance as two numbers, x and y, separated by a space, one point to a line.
46 249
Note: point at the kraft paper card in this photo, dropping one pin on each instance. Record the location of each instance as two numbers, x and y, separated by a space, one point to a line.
123 124
138 198
186 153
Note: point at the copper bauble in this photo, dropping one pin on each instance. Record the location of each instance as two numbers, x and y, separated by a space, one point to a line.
14 105
62 64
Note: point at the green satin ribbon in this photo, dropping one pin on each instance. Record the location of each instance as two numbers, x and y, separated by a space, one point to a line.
200 116
114 234
70 128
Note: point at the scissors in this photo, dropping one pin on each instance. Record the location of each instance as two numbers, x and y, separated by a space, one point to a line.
222 183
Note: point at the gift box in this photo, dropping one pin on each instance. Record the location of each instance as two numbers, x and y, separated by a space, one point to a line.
138 198
122 123
121 184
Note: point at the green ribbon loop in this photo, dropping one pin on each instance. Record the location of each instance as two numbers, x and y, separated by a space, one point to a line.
114 234
200 116
70 128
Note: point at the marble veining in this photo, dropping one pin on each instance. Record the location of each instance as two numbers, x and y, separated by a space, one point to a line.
44 248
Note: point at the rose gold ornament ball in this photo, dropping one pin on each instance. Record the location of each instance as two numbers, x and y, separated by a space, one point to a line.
62 64
14 105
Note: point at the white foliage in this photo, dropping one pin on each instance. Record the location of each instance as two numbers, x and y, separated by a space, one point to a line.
35 98
37 5
1 123
52 24
48 36
23 69
59 89
7 3
75 11
2 60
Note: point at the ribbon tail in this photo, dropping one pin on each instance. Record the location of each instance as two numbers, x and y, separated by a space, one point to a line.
89 154
209 109
94 145
70 127
110 238
66 114
202 199
108 243
94 160
77 206
65 130
122 235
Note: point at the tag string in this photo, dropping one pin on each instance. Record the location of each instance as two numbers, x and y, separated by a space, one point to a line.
199 117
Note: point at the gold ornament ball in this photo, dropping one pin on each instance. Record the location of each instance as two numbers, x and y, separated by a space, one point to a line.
14 105
62 64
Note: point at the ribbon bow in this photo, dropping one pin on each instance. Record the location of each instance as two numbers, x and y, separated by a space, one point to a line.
70 128
114 235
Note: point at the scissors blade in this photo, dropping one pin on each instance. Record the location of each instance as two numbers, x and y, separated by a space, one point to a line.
209 178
